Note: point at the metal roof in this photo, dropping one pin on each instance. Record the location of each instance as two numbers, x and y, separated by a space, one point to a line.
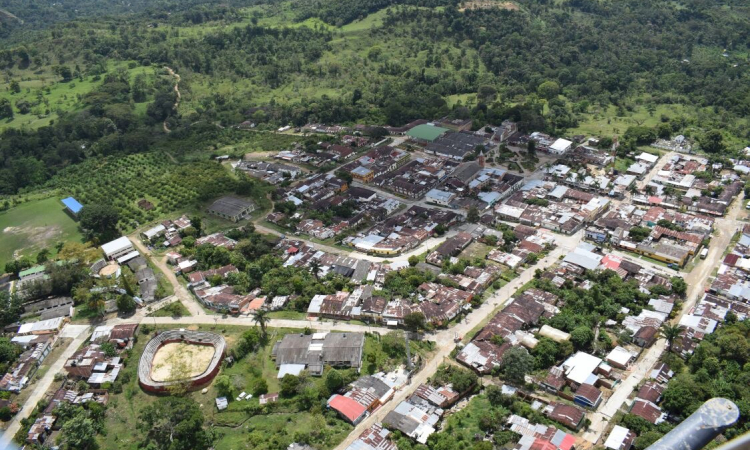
72 204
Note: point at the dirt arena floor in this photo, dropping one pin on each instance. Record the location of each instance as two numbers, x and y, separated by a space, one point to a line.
178 360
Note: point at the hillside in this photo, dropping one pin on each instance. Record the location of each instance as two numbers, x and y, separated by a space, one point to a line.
570 67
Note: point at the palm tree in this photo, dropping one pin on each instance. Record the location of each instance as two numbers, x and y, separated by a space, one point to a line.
670 333
315 268
261 318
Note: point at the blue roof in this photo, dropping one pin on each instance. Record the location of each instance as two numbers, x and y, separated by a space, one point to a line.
72 204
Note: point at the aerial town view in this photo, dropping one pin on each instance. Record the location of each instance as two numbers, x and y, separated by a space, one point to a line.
375 225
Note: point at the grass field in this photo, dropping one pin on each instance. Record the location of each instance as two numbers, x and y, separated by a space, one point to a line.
174 309
47 95
35 225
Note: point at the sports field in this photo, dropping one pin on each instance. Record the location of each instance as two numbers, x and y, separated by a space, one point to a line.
32 226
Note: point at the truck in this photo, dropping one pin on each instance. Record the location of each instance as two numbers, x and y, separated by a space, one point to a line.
704 253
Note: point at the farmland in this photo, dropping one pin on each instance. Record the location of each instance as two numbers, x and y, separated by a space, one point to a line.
123 182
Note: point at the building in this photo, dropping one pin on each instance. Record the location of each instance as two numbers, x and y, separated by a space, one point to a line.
560 146
568 415
72 205
620 438
455 145
231 208
620 357
315 351
373 438
117 248
426 133
439 197
587 396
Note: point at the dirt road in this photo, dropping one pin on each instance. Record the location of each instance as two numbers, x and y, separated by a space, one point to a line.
177 93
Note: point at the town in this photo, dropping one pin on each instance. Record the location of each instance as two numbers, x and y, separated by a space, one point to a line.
413 287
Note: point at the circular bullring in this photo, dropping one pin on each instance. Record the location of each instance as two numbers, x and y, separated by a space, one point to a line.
180 357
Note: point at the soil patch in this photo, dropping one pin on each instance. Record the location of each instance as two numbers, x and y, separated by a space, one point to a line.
180 361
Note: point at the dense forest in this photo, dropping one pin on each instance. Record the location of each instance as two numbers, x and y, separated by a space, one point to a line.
547 65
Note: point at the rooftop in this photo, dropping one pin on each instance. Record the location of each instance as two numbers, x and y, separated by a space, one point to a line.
426 132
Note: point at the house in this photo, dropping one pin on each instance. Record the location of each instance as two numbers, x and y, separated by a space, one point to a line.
568 415
315 351
620 357
41 428
117 248
373 438
348 408
648 411
72 205
268 398
587 396
620 438
650 391
580 368
415 418
231 208
154 232
645 336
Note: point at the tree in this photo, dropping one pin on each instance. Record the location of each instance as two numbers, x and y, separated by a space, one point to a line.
6 109
260 317
172 423
646 439
516 364
224 386
548 90
413 260
545 353
679 286
638 234
100 221
334 381
712 142
78 433
109 349
315 268
288 385
415 321
126 304
261 387
473 215
581 337
670 333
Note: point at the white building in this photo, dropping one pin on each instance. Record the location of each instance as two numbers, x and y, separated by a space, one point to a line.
560 147
119 247
439 197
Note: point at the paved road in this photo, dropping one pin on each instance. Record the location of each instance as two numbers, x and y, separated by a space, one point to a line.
697 281
42 386
444 339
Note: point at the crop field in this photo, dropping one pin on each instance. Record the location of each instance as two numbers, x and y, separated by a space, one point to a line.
32 226
123 182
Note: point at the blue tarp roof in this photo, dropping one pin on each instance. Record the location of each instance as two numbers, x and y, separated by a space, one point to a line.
72 204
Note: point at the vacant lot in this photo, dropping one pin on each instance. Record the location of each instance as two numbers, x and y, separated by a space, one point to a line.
32 226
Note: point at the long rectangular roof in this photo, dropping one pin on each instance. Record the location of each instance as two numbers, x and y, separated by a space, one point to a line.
117 245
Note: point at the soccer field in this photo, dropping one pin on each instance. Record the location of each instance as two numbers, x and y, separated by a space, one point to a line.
32 226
